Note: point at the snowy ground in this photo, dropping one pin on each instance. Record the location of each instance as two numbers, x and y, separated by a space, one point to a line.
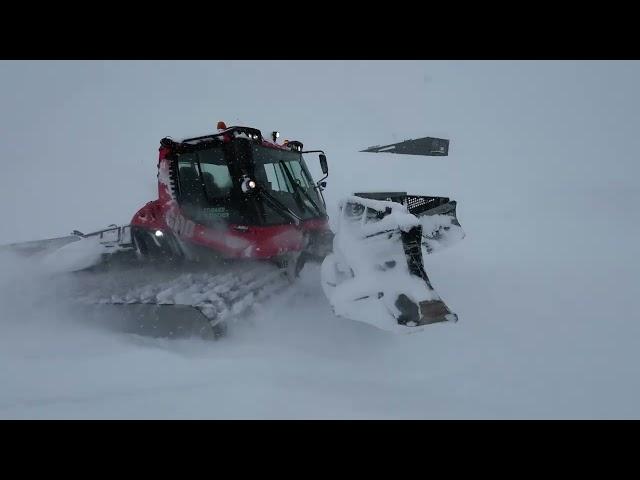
559 340
545 283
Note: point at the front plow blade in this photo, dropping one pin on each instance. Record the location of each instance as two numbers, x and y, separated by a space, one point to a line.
376 273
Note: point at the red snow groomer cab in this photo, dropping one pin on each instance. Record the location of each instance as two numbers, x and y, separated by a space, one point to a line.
233 194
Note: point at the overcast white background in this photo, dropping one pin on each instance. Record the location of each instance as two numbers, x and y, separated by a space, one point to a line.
543 162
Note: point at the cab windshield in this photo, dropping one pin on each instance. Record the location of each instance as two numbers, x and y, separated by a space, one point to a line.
284 175
209 187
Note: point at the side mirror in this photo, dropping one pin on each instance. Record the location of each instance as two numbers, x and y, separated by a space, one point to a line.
323 164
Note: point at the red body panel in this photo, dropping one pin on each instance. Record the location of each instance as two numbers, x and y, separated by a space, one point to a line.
235 241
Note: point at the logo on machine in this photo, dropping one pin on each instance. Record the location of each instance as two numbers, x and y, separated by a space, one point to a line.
216 212
180 225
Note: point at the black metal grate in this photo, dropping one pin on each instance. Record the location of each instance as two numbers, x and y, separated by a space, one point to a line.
417 204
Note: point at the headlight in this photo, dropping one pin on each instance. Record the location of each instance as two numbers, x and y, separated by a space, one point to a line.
248 184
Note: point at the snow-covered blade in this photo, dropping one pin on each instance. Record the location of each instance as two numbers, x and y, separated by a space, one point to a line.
77 251
152 320
376 274
174 301
39 247
107 285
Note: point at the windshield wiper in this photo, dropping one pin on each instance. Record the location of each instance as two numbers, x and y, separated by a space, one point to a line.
298 188
279 206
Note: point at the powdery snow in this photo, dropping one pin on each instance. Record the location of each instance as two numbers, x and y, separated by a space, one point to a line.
74 256
545 282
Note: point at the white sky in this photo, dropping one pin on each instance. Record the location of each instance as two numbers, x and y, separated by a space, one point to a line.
543 163
80 138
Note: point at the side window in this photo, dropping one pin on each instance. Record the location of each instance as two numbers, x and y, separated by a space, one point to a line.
212 172
215 174
217 180
189 181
